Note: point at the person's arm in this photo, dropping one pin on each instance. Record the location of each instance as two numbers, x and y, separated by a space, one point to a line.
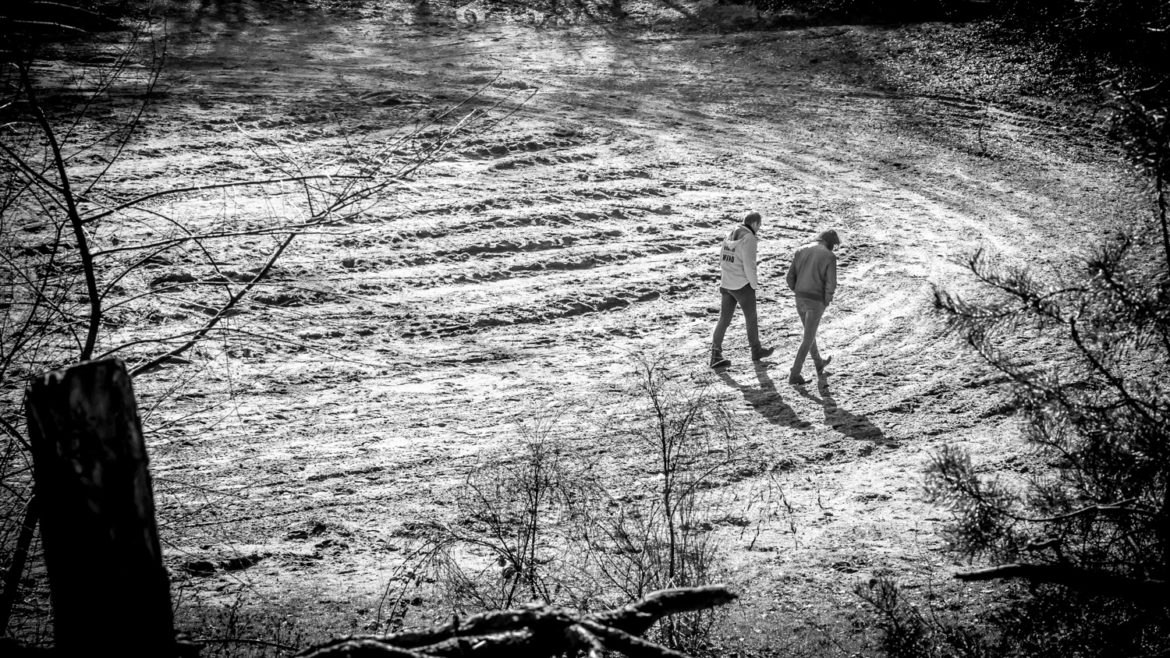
749 262
831 279
791 276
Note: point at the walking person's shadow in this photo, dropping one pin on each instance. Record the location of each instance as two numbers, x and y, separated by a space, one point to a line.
764 398
850 424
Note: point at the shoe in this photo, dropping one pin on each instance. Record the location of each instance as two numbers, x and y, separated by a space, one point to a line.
795 379
823 364
762 352
717 360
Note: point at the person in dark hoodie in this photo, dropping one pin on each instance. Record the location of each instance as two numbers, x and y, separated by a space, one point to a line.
737 287
813 278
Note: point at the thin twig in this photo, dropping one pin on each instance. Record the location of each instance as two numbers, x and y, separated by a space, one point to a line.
221 313
95 302
213 186
19 559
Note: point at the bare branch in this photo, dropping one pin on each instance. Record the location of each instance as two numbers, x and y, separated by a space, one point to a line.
148 341
95 314
163 245
48 24
129 128
222 312
214 186
11 430
35 177
18 560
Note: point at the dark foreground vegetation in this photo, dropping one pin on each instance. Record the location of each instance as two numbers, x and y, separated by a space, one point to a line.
1083 532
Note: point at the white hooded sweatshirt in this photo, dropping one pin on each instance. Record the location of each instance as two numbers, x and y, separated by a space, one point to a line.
739 260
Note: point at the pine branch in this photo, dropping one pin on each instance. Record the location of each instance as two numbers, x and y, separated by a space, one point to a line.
1151 591
1144 408
1121 507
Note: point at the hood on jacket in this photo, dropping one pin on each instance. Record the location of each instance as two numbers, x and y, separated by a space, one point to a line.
739 233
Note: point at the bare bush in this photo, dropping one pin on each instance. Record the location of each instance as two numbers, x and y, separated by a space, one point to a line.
538 524
519 511
677 430
659 534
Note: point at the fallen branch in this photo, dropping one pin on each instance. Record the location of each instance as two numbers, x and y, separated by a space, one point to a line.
1078 578
240 640
537 631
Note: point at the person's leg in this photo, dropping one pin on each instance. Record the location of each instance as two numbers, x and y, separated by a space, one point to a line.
746 296
811 313
726 313
815 353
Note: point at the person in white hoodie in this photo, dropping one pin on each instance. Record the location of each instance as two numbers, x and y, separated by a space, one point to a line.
737 287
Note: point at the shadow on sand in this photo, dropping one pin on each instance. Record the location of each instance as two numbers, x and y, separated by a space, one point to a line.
765 399
850 424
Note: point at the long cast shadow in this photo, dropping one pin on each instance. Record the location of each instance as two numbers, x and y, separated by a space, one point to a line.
765 399
850 424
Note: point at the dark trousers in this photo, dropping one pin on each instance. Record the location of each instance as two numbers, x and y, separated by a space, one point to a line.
745 297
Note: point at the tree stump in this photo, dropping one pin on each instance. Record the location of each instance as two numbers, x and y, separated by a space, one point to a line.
110 591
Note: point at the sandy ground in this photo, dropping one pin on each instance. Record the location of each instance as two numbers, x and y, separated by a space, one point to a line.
522 275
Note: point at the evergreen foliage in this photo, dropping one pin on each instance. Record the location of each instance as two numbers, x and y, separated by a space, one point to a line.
1086 526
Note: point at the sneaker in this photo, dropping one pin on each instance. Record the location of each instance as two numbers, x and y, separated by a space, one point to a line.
717 360
796 380
762 352
823 364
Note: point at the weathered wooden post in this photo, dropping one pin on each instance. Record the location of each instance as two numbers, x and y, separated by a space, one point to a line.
110 591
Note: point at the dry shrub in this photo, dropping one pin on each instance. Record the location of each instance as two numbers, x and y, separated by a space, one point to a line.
538 524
